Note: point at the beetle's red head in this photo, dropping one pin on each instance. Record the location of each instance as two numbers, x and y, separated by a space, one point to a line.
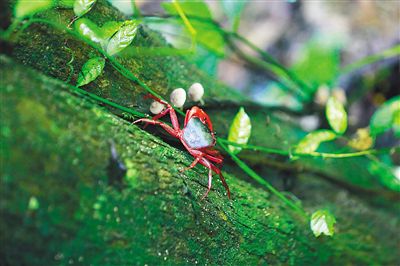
200 114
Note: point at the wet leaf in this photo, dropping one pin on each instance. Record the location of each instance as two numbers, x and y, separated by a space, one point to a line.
109 28
240 130
233 10
33 204
66 3
25 8
362 140
90 71
336 115
386 175
322 222
208 35
81 7
318 62
385 117
311 141
88 30
122 38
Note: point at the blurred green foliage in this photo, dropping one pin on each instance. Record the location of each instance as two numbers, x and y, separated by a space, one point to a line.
208 34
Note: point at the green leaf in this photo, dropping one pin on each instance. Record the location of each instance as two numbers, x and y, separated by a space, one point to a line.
322 222
123 37
233 10
33 204
206 60
312 140
88 30
191 8
318 63
66 3
109 28
90 71
208 35
240 130
386 117
25 8
336 115
385 174
81 7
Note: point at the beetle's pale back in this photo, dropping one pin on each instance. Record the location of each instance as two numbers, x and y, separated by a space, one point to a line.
197 135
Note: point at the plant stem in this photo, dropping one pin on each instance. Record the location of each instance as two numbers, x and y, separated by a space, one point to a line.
391 52
262 181
107 102
271 59
311 154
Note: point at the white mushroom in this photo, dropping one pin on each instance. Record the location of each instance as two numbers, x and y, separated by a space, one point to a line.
156 107
178 97
196 92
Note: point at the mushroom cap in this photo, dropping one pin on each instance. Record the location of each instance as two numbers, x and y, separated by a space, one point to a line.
156 107
178 97
196 92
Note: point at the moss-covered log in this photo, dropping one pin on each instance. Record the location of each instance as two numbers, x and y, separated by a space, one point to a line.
55 148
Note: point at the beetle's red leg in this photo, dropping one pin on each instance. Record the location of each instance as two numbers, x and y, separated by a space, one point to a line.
218 171
169 109
193 164
213 159
213 155
212 167
209 184
167 128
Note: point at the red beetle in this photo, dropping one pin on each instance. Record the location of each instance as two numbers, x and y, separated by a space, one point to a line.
197 136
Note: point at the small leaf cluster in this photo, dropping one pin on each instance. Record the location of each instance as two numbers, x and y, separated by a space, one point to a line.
337 119
113 37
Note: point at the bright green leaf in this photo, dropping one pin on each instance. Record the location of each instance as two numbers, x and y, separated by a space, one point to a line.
386 117
318 63
206 60
90 71
336 115
109 28
66 3
87 29
240 130
81 7
311 141
33 204
208 35
191 8
233 10
122 38
322 222
385 174
25 8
